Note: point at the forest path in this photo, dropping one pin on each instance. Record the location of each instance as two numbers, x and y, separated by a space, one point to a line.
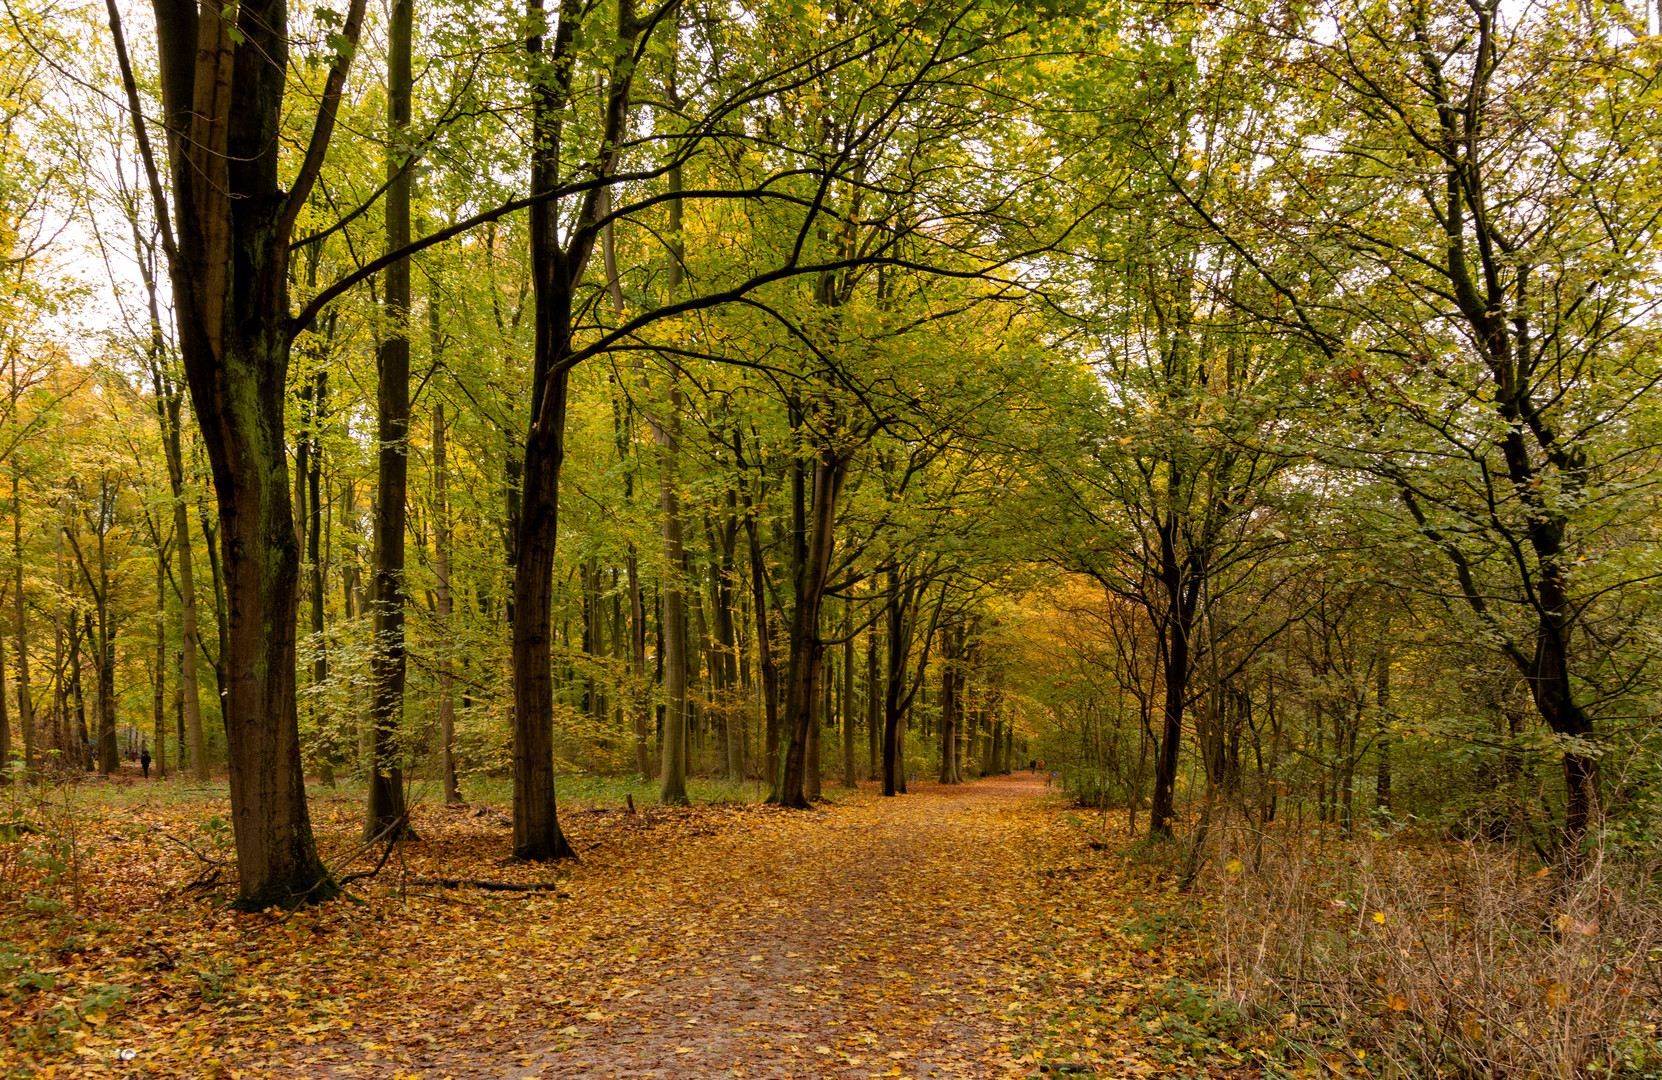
860 939
967 931
869 937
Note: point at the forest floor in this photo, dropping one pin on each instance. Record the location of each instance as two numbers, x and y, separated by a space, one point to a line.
974 931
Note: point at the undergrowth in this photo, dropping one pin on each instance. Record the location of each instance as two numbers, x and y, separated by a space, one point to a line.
1418 958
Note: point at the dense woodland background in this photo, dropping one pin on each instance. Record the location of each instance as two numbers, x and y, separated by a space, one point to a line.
1242 404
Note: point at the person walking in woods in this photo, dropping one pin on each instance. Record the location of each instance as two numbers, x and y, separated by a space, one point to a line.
144 761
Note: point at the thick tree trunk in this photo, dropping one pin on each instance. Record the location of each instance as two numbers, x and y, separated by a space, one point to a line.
388 659
537 833
222 96
555 275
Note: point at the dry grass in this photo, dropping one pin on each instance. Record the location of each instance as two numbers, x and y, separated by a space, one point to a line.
1441 959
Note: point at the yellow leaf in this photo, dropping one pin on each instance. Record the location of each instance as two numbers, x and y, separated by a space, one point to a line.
1397 1002
1235 866
1379 917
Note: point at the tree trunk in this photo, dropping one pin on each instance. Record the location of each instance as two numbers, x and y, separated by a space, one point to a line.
388 659
672 769
830 467
811 774
83 744
168 407
109 751
160 700
25 703
952 639
874 705
764 642
555 275
1382 694
317 409
1182 589
903 601
60 701
445 604
230 286
641 700
850 777
5 724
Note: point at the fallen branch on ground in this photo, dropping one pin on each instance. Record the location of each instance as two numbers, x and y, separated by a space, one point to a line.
491 886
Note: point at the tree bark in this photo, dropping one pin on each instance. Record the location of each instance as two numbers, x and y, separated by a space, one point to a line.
5 724
874 705
556 273
764 641
222 89
1382 695
1182 589
25 704
672 769
160 701
168 405
903 602
952 639
850 777
388 658
830 468
445 604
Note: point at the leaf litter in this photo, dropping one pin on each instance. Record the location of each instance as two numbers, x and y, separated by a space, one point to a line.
970 931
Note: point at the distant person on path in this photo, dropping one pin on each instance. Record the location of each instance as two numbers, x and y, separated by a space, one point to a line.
144 761
1033 766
